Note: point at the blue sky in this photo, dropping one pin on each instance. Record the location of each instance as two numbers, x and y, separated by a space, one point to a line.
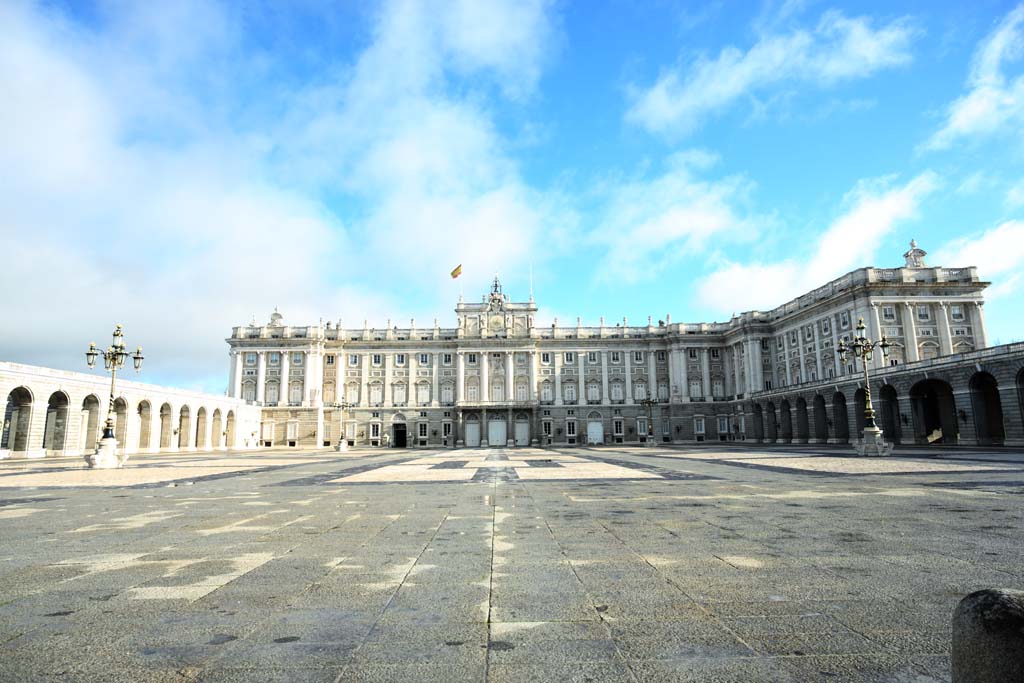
199 163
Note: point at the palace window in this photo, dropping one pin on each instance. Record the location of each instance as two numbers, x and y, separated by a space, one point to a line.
353 360
692 354
956 311
446 429
399 359
616 391
545 391
376 393
352 393
295 394
570 428
545 358
888 312
447 393
521 392
446 358
377 359
296 359
696 389
423 394
249 392
717 388
593 392
329 360
764 343
617 427
424 359
374 430
723 424
616 357
715 353
638 356
398 394
662 391
698 425
422 430
961 332
274 358
250 359
471 358
661 356
592 357
844 319
546 427
472 393
570 392
826 326
640 391
924 313
570 357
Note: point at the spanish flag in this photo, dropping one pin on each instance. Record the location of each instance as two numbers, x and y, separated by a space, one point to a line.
457 272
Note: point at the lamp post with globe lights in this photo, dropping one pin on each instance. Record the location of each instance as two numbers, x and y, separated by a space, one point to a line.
114 358
871 441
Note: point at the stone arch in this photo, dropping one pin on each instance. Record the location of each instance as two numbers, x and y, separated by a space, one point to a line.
934 410
17 419
184 426
840 418
594 415
803 428
145 413
928 350
1020 393
398 417
987 409
201 428
217 429
229 441
785 421
121 422
90 421
859 403
758 422
56 431
820 419
166 426
773 423
889 413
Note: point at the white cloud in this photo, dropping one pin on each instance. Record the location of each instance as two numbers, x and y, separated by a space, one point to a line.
839 48
998 253
873 209
650 223
992 102
141 185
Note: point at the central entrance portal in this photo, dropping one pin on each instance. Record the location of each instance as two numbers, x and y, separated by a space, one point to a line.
399 439
497 432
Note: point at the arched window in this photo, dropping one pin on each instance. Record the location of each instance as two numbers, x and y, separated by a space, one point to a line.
352 393
272 393
570 392
472 392
447 393
717 388
498 391
640 391
398 394
423 393
376 393
329 395
662 392
616 391
295 393
522 392
593 392
249 391
546 393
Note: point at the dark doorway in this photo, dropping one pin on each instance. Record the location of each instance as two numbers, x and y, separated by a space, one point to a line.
889 413
399 439
802 423
758 423
820 419
773 425
934 412
786 421
988 410
840 418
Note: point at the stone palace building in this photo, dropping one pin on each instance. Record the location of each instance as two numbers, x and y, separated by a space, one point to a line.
498 378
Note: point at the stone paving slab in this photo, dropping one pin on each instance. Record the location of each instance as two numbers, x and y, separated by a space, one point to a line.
631 564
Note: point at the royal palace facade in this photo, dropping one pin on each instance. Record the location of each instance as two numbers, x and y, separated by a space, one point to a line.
498 378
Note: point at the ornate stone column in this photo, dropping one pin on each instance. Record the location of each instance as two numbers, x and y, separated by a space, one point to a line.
510 357
558 378
629 378
236 374
485 376
261 377
705 372
605 398
910 332
945 336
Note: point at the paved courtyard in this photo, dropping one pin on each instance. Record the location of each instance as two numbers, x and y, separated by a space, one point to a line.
611 564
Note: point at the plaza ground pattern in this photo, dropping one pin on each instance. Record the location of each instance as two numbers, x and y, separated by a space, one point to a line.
590 564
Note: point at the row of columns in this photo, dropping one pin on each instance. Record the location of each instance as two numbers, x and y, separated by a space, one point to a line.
312 375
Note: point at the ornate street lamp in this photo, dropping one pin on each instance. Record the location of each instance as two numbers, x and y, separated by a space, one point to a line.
342 440
649 403
114 358
871 441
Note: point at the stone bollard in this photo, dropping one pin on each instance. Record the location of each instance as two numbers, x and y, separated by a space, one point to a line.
988 637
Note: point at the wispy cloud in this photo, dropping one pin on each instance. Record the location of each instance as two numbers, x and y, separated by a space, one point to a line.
993 101
839 48
998 253
650 221
873 209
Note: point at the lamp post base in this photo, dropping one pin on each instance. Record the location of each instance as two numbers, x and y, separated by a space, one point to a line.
105 456
872 443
